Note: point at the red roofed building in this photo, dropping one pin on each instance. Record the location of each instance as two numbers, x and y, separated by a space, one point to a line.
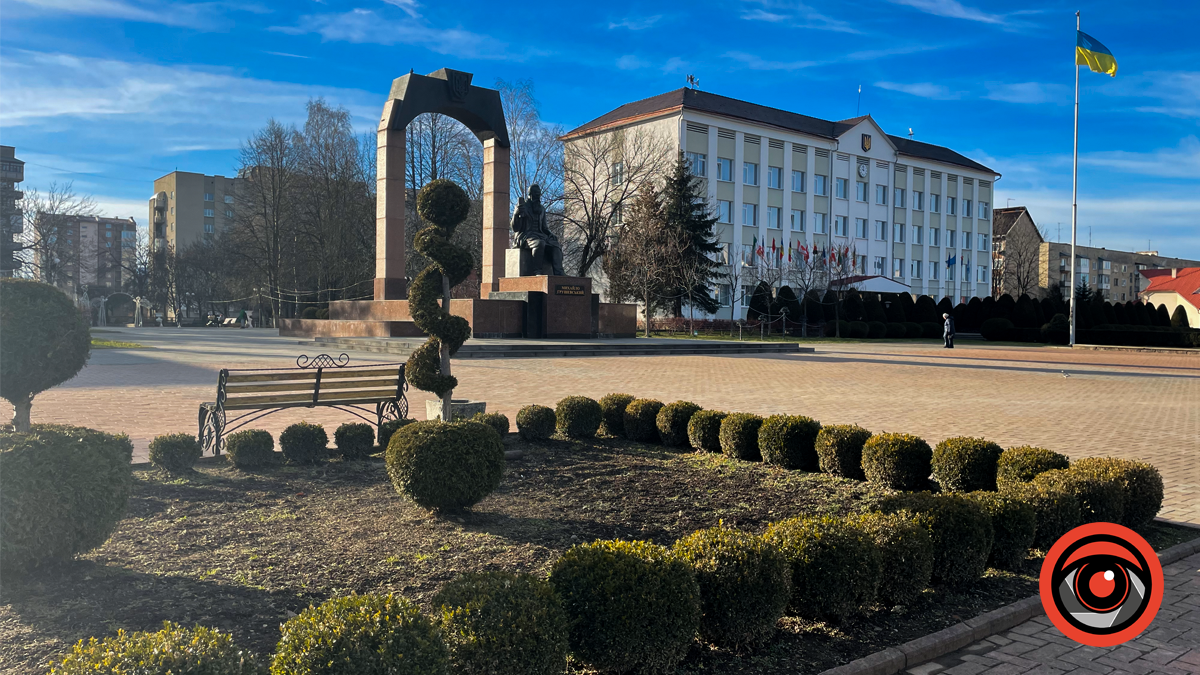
1174 287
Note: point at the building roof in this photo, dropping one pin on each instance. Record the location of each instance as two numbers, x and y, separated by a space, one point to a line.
873 283
703 101
1186 283
1004 219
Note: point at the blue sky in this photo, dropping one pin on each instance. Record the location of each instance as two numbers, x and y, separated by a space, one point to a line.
114 93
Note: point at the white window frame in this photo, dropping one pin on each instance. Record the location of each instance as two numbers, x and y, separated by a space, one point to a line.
774 218
750 212
800 213
860 228
775 177
898 197
918 201
897 268
898 233
950 204
840 226
914 268
984 210
966 210
881 194
841 188
933 202
821 185
698 162
918 235
725 211
934 265
820 223
881 230
797 181
880 265
951 238
616 174
750 173
724 170
860 191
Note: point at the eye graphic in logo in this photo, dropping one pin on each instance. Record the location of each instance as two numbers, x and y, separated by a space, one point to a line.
1101 584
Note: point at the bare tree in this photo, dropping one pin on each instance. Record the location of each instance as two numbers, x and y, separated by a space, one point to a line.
45 253
535 151
1018 261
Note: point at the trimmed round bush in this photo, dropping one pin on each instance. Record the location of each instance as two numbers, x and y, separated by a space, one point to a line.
704 430
897 461
835 566
1014 523
672 422
250 449
536 423
789 441
174 649
390 427
1022 464
62 491
859 329
876 330
745 585
354 440
960 529
905 555
839 450
1055 509
361 635
895 331
497 421
739 436
309 313
445 465
612 407
641 420
578 417
912 330
930 329
1101 498
304 443
996 328
964 464
1141 485
499 623
632 605
175 453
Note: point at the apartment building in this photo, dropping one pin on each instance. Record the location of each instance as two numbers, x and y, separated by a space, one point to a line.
188 207
90 252
1025 262
12 172
905 208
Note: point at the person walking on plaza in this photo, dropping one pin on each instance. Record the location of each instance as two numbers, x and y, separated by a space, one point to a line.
948 331
242 319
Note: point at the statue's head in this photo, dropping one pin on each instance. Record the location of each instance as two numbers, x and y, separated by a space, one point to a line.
535 192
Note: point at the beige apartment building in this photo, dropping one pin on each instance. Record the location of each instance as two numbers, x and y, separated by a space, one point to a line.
905 208
92 251
1026 263
12 224
188 207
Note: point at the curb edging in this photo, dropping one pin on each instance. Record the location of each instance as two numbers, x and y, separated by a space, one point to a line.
915 652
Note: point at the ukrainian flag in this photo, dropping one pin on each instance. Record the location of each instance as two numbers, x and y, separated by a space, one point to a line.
1089 52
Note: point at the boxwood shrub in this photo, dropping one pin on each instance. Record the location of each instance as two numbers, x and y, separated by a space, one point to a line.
876 330
1101 498
174 649
835 566
1021 464
62 491
1014 523
390 427
445 465
739 436
371 634
905 554
304 443
354 440
704 430
859 329
612 406
960 529
897 461
672 422
631 605
745 585
1141 485
250 449
578 417
895 331
1055 508
495 420
641 420
789 441
536 423
839 450
912 330
500 623
964 464
175 453
929 329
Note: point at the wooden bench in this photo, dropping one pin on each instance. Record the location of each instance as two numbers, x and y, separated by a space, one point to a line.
319 381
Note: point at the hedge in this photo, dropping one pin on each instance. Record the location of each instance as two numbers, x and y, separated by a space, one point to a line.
536 423
739 436
1141 486
839 450
445 465
613 406
1022 464
704 430
1055 508
174 649
1014 523
578 417
905 555
672 422
897 461
641 420
1101 497
964 464
835 565
961 531
789 441
175 453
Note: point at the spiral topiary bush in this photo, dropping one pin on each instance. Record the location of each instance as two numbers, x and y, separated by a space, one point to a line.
175 453
961 531
704 430
536 423
1141 486
632 605
174 649
499 623
250 449
672 422
1022 464
361 635
835 565
445 465
839 450
641 420
1101 497
745 585
497 421
964 464
442 205
1014 522
1055 508
578 417
613 407
739 436
354 440
905 555
897 461
390 427
789 441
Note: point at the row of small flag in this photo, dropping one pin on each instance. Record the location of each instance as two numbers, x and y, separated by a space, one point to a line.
834 255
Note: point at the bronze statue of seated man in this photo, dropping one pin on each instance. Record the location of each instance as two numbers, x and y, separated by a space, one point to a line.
533 235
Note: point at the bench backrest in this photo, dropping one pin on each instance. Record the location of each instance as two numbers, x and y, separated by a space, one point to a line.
318 386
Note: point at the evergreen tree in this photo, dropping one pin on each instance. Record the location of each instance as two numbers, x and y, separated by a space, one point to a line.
829 305
1132 315
945 306
973 317
1179 318
926 311
1006 307
1110 315
1025 314
1164 316
852 306
785 299
909 306
1048 309
1056 297
685 207
760 303
894 308
873 310
1083 293
1121 316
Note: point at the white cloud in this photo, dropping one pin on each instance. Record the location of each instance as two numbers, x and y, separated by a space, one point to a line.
1171 93
631 62
409 6
199 16
115 207
674 65
793 15
365 26
290 56
928 90
1029 92
755 62
635 22
951 9
1182 161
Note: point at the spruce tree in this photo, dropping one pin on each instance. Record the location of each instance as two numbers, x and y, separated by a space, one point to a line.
1164 317
685 207
1179 318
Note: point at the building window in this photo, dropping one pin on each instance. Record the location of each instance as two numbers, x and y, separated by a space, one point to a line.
839 226
898 200
773 217
208 228
984 210
747 253
749 173
697 162
1084 265
821 185
724 211
860 191
797 220
881 230
918 201
898 268
1105 264
933 203
983 242
860 264
617 176
934 266
964 261
860 228
951 238
966 208
208 213
750 215
914 269
797 181
725 169
228 213
172 210
916 235
881 194
208 196
228 199
949 206
618 214
775 177
898 233
935 236
840 186
723 295
820 224
981 273
880 265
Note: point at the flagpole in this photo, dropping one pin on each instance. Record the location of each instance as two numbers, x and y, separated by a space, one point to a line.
1074 185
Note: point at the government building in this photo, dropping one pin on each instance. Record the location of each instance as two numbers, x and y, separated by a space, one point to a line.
782 180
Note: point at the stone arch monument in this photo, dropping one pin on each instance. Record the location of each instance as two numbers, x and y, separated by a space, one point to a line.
446 92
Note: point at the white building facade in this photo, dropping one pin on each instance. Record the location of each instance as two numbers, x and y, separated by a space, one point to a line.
782 180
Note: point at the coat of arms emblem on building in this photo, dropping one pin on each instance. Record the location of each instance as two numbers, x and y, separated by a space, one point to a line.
459 83
866 142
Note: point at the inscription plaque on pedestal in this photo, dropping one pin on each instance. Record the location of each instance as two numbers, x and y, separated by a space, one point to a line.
571 289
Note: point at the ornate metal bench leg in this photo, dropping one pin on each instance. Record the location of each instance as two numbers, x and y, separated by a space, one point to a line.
202 433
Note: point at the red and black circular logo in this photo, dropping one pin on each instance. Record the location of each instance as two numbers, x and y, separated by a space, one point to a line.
1101 584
